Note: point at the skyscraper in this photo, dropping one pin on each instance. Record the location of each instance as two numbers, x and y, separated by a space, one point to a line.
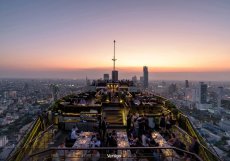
203 93
146 77
114 75
186 84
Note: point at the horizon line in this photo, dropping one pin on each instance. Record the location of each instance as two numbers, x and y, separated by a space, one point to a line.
129 69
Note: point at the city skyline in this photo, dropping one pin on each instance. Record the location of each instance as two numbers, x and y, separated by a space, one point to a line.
176 40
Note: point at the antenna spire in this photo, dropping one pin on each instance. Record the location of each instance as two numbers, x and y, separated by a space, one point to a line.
114 59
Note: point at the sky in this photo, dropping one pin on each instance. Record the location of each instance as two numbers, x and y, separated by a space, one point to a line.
176 39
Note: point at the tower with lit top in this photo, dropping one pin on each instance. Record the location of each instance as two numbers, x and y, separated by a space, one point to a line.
114 72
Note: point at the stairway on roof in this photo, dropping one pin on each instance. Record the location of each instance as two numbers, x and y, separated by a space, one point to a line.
114 116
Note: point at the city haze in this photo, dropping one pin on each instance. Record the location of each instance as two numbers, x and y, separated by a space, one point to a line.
97 73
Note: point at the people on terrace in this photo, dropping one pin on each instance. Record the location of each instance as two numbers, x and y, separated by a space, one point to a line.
163 122
73 135
173 140
55 156
95 155
144 140
61 152
74 128
104 125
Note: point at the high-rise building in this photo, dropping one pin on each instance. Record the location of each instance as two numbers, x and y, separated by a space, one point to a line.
87 81
106 77
114 75
55 91
186 84
146 77
203 93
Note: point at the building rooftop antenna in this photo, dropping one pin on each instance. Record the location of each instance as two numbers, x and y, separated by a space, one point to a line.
114 59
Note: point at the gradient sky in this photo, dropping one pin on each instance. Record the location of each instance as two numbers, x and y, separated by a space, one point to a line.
69 39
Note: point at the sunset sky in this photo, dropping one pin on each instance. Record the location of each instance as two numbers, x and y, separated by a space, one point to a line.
179 39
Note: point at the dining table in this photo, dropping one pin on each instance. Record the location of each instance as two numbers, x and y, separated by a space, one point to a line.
123 142
83 141
169 153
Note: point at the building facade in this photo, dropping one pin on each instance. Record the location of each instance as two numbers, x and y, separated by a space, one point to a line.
106 77
203 93
146 77
114 75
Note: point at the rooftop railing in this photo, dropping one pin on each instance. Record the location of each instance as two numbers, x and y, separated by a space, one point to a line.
184 123
38 131
28 144
204 150
109 153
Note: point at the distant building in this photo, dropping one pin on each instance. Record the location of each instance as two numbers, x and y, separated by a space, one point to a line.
13 94
172 88
146 77
132 89
190 94
6 94
134 79
203 106
55 91
186 84
26 88
3 141
114 75
203 93
225 103
225 124
219 97
141 79
106 77
87 82
210 136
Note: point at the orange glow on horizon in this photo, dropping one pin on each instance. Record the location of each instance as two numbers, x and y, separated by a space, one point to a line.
124 69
